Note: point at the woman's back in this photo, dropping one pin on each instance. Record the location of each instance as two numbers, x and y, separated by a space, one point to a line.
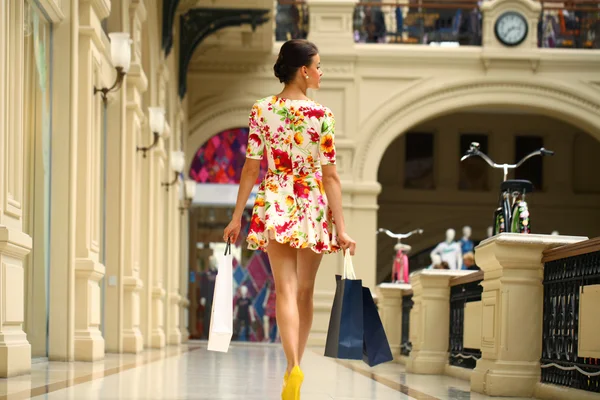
297 137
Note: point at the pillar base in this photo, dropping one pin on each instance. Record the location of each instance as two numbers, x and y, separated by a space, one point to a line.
427 362
133 342
89 346
15 358
507 379
158 339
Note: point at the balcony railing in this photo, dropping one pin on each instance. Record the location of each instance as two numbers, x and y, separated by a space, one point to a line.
566 361
572 24
291 20
453 22
407 305
463 290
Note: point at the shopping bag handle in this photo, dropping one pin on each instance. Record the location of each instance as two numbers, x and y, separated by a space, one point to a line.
228 247
349 272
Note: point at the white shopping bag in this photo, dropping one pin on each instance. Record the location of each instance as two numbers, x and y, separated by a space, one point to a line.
221 321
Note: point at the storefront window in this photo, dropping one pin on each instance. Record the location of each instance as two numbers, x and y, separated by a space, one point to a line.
419 161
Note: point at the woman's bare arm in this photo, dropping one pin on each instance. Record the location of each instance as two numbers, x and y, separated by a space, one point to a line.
333 190
248 179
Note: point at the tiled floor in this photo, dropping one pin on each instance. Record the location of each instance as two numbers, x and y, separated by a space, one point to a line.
249 372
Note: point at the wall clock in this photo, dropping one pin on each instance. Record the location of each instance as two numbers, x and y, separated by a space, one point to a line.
511 28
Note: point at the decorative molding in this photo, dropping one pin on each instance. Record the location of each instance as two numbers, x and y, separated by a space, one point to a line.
199 23
169 11
417 100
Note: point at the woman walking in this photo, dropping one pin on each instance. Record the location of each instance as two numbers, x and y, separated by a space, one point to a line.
297 215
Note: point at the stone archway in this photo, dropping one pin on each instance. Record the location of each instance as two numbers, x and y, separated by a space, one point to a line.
223 114
575 104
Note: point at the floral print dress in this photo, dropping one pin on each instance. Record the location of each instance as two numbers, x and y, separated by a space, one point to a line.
297 136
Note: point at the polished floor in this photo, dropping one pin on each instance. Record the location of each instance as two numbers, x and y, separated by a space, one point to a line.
249 372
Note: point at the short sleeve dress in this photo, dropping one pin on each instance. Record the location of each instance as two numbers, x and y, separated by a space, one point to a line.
291 207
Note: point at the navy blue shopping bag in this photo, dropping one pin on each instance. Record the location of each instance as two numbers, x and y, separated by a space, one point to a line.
345 333
376 348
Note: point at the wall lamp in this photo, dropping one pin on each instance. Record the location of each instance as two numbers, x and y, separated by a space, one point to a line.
177 164
120 51
190 193
157 126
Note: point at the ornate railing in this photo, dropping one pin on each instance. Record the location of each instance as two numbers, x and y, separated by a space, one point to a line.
573 24
462 291
455 22
567 271
407 305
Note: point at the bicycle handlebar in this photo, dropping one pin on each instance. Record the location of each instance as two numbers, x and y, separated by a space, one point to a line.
474 151
399 235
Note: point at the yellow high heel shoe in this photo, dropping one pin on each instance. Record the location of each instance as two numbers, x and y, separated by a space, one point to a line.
291 391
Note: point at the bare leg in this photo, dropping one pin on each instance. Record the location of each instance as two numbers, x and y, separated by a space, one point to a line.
283 263
308 265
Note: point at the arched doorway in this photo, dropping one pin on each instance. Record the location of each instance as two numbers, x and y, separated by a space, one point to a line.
424 184
216 167
400 129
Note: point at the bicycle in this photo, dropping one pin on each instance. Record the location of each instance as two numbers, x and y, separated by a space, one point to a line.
511 202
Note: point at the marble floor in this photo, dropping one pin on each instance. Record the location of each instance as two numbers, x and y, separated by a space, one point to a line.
249 372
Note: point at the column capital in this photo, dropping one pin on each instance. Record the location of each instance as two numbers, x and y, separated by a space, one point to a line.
517 251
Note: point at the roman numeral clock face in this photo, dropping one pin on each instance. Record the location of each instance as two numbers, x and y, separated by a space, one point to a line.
511 28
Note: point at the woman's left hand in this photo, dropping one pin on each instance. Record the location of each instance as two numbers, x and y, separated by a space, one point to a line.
232 231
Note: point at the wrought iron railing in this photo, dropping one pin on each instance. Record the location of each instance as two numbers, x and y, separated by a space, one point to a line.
407 305
566 271
455 22
572 24
463 290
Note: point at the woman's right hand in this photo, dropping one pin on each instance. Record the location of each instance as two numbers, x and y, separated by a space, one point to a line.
346 242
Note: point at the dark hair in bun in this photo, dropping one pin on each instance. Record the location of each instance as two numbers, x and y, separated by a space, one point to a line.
293 55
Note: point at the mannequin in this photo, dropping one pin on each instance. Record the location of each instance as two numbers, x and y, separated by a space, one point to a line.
207 290
436 261
449 251
270 317
400 267
244 313
466 244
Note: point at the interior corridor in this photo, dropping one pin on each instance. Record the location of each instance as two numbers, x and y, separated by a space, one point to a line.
249 372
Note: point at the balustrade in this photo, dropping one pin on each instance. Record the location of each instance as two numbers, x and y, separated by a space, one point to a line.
464 291
407 305
572 24
570 347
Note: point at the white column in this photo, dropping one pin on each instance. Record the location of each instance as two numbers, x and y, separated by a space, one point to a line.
331 24
89 343
158 246
430 321
15 351
390 308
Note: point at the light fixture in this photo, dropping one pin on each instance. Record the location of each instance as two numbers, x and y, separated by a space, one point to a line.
157 126
120 51
189 194
177 164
